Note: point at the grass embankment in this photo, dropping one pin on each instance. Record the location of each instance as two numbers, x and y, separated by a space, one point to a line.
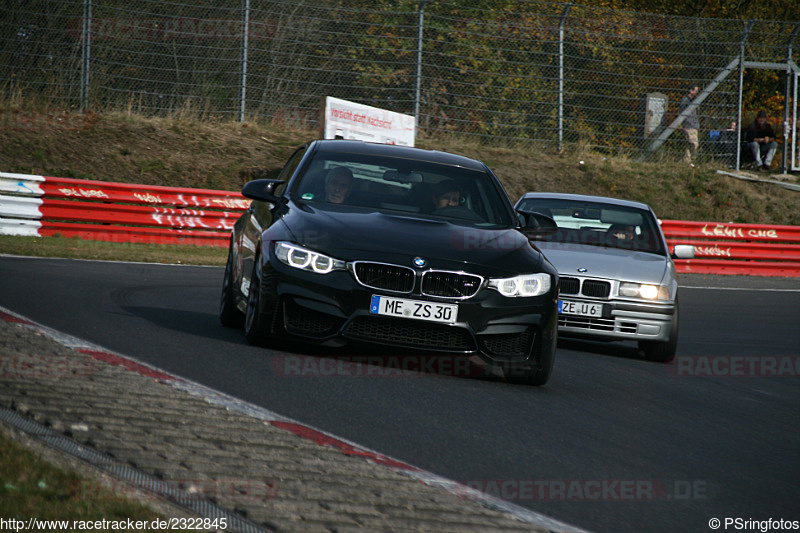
33 488
224 155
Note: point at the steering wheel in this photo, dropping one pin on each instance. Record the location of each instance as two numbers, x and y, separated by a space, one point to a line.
459 212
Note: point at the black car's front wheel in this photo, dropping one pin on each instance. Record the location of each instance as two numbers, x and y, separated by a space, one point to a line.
229 315
529 375
256 322
533 374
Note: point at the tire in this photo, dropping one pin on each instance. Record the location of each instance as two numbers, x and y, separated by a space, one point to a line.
229 315
663 351
256 322
535 376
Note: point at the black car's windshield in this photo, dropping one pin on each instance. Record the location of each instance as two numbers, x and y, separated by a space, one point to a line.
453 193
599 224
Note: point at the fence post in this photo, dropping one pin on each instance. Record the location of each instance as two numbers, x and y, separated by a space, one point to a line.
86 44
420 23
747 29
561 76
245 43
787 99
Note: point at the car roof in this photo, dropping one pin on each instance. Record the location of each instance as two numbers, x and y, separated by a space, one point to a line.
585 198
404 152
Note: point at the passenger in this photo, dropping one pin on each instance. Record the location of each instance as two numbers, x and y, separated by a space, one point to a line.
338 183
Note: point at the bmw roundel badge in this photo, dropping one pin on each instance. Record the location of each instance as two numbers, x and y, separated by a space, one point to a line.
583 270
419 262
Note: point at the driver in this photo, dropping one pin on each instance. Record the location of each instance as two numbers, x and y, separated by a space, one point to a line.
622 232
338 184
446 194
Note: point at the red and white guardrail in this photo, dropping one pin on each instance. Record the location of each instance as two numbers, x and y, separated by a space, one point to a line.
118 212
739 249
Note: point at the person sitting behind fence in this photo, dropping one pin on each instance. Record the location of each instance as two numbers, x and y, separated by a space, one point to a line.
338 183
759 141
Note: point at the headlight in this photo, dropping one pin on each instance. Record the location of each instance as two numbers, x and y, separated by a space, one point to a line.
523 285
648 292
305 259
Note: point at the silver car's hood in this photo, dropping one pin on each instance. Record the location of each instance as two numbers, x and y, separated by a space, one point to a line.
608 263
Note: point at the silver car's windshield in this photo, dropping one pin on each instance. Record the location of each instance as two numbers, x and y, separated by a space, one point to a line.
390 184
599 224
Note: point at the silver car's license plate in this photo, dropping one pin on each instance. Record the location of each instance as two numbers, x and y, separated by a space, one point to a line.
420 310
568 307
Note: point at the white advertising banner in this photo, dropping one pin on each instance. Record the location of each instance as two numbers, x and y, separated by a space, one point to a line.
348 120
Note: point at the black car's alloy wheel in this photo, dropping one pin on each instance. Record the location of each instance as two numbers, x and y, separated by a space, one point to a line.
229 315
256 321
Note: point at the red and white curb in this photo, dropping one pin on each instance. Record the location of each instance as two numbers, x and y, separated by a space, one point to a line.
304 431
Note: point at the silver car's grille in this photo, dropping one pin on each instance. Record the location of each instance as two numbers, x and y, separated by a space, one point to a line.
569 285
450 284
596 324
592 288
386 277
595 288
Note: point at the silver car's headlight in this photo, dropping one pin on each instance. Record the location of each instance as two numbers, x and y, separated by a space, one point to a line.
522 285
305 259
641 290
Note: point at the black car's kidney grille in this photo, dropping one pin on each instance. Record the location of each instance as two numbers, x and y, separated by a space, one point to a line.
386 277
408 332
450 284
569 285
596 289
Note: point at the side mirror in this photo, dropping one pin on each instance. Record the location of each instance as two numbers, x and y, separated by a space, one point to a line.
261 190
683 251
537 224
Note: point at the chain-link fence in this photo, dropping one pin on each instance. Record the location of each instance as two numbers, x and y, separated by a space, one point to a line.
550 74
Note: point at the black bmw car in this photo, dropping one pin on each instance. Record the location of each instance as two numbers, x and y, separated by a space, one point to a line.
397 246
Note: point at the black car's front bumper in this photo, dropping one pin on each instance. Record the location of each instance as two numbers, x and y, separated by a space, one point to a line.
332 308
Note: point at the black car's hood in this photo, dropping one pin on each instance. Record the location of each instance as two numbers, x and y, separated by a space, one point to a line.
397 238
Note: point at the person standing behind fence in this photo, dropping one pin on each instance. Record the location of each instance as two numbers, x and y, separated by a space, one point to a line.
690 125
759 139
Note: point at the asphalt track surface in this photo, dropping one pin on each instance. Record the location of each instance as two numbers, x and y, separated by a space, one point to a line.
611 443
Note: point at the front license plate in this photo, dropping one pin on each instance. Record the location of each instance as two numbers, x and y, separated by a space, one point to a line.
568 307
403 308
